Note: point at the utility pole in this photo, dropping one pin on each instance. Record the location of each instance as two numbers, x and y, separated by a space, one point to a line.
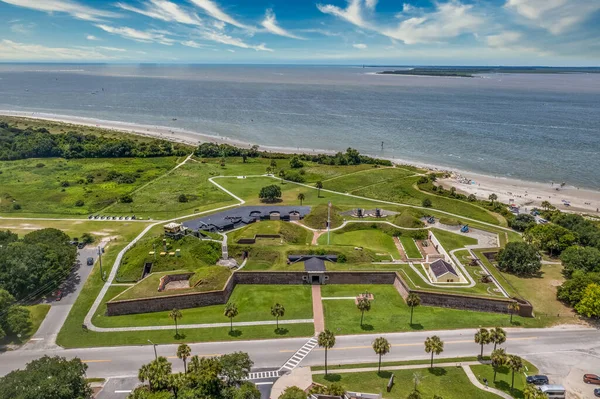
155 354
328 221
100 260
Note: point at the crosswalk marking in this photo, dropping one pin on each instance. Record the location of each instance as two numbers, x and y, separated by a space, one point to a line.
299 355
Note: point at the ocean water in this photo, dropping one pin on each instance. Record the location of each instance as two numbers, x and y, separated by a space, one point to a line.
527 126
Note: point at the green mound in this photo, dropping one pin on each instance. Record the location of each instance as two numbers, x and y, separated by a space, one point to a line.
317 218
408 219
290 233
450 221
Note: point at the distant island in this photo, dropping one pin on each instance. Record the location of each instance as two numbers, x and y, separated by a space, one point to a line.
470 72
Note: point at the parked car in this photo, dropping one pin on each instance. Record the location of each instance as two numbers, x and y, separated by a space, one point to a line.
537 380
597 392
591 379
90 261
81 245
58 295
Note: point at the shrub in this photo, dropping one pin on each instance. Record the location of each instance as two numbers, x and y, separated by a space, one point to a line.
423 180
296 163
40 165
427 203
79 203
65 184
342 258
295 177
182 198
16 206
126 199
87 238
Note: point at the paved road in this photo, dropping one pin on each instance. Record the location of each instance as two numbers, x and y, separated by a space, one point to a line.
45 337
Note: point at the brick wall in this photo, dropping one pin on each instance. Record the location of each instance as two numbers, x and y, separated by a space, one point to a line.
164 280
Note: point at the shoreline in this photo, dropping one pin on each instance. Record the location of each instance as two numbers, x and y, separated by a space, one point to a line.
526 194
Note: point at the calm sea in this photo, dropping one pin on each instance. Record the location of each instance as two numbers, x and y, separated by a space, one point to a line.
532 127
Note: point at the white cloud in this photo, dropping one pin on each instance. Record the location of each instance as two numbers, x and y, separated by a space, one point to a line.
10 50
22 29
371 4
137 35
360 46
163 10
231 51
270 24
92 38
222 38
213 9
191 43
323 32
116 49
70 7
220 25
503 39
352 13
449 20
556 16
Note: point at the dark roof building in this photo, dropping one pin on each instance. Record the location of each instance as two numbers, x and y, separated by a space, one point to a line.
313 263
441 267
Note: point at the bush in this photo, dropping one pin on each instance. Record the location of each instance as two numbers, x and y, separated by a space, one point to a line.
40 165
342 258
295 177
522 222
16 206
423 180
296 163
519 258
427 203
65 184
182 198
79 203
126 199
87 238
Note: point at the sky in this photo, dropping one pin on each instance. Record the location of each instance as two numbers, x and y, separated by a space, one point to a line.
392 32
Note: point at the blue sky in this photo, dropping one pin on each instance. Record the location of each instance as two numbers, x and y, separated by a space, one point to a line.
443 32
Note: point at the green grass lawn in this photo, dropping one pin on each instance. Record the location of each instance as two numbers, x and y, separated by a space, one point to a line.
290 233
447 382
504 377
373 239
389 313
254 304
195 254
333 367
451 241
55 187
160 198
415 281
356 181
412 251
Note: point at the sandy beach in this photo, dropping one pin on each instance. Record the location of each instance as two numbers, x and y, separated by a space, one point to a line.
522 193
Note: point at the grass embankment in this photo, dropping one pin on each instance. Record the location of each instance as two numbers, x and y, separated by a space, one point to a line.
52 186
195 254
161 198
409 218
389 313
290 233
317 218
333 367
446 382
451 241
373 239
253 301
504 377
355 181
410 247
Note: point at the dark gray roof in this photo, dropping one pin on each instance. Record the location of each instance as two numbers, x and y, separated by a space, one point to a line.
314 265
441 267
236 217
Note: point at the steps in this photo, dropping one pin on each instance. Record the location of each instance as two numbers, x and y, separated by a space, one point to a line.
295 360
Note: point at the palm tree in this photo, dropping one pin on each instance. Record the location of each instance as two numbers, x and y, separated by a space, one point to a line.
269 170
273 163
497 336
498 360
319 186
277 311
175 315
282 175
482 337
301 197
417 378
364 305
513 308
493 197
532 392
326 340
434 345
176 382
183 352
546 205
413 300
515 364
231 311
414 395
157 373
381 346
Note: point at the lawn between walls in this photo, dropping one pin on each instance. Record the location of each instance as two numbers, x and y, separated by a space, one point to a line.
456 360
504 377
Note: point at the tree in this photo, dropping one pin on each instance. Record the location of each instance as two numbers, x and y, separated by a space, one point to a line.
414 395
269 170
427 203
417 377
231 311
519 258
547 206
87 238
326 340
273 164
270 193
79 203
471 198
301 198
364 305
293 393
18 320
493 197
498 360
571 291
126 199
183 352
513 307
182 198
532 392
522 222
413 300
277 311
590 301
434 345
175 315
282 175
381 346
550 237
319 186
247 391
47 378
497 336
586 259
515 364
156 373
235 367
296 163
482 337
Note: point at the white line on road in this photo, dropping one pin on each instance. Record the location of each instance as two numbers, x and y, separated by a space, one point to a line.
264 383
124 391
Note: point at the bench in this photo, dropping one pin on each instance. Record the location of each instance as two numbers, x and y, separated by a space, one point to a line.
390 383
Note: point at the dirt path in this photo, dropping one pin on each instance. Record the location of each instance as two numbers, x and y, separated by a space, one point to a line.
318 309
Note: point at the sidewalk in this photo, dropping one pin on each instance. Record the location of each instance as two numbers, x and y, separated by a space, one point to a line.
319 319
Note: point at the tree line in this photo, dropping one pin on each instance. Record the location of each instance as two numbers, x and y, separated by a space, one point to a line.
16 143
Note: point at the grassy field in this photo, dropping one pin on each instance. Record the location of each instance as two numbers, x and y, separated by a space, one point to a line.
290 233
373 239
451 241
52 186
194 255
160 198
333 367
415 281
254 304
504 377
355 181
446 382
389 313
410 247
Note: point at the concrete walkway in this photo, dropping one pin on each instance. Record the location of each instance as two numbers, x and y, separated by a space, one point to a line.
318 316
479 385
